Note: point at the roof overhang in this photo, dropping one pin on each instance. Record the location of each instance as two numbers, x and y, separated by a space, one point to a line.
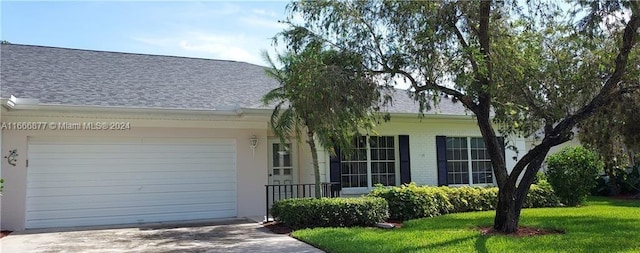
15 104
18 104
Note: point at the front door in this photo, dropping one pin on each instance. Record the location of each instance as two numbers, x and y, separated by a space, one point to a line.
281 163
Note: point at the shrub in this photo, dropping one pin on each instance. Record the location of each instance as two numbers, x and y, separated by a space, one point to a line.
541 195
409 201
330 212
572 173
468 199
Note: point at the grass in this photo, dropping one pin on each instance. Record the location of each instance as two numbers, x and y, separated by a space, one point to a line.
602 225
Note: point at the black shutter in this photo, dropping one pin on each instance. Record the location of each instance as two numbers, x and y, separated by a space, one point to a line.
405 160
334 167
441 150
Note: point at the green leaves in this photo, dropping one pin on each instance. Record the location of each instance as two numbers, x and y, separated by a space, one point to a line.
330 212
326 91
572 173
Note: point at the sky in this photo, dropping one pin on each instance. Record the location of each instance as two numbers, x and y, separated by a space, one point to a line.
227 30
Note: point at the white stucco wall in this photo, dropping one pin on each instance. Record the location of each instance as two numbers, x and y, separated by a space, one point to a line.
251 170
422 145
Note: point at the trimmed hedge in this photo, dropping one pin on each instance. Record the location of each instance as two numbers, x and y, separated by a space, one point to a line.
330 212
410 201
541 195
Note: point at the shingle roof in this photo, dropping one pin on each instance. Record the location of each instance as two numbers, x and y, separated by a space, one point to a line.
97 78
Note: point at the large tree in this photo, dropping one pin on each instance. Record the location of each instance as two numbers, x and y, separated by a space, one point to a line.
612 132
324 95
517 67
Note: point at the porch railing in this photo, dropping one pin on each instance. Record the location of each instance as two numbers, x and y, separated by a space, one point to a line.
275 192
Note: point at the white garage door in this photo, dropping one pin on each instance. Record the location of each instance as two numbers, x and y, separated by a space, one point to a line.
90 181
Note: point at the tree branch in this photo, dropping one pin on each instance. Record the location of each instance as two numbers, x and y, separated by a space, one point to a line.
465 46
628 41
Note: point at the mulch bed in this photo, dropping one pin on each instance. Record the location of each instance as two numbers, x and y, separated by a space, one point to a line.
4 233
522 231
279 228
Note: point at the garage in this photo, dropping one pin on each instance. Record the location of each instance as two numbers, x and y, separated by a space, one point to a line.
107 181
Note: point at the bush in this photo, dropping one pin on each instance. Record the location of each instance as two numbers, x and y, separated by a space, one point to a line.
468 199
330 212
572 173
541 195
411 202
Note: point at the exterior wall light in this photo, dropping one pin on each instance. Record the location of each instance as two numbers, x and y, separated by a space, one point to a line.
253 143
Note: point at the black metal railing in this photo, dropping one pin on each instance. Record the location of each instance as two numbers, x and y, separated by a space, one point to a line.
275 192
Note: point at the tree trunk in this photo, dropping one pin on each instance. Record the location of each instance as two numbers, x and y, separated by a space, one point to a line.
507 214
512 195
316 166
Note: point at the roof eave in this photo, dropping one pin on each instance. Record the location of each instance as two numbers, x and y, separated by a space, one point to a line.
227 111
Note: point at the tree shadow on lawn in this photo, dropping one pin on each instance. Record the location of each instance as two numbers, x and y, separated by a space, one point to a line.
583 233
608 201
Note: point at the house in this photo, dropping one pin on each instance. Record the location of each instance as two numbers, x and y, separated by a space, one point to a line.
103 138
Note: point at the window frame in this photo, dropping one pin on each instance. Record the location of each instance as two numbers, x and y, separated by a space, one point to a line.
396 162
470 162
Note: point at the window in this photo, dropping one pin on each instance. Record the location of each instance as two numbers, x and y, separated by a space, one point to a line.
371 161
468 161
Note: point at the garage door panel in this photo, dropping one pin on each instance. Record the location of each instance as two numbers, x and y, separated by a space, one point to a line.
104 179
139 211
123 151
108 190
138 148
118 155
160 172
90 181
133 200
113 220
111 161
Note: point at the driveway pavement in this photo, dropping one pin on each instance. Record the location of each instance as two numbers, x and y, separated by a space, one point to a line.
228 236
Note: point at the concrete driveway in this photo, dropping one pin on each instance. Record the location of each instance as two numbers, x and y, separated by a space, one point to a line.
227 236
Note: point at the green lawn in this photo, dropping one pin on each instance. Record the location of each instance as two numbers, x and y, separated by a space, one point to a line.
602 225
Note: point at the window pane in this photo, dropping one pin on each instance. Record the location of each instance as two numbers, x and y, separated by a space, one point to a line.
391 154
375 167
458 161
344 168
382 155
383 160
276 157
286 158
